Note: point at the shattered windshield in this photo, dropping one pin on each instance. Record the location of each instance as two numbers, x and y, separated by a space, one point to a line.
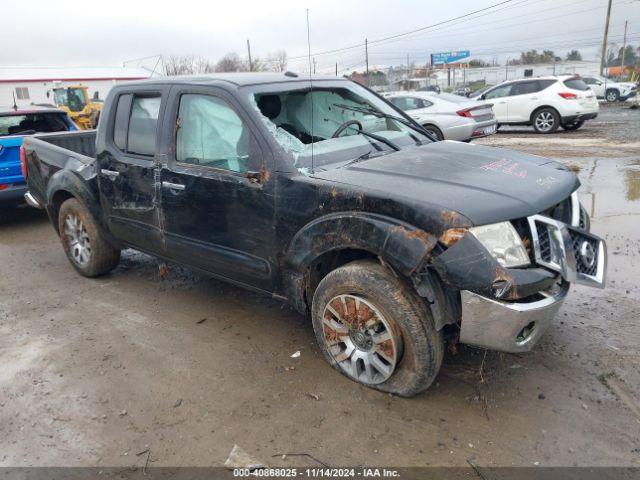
337 124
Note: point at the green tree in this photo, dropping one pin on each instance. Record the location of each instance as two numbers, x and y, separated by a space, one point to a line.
478 64
574 55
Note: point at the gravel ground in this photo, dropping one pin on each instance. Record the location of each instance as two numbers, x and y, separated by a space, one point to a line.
95 371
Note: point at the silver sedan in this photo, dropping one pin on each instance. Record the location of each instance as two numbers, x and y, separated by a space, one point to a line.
447 116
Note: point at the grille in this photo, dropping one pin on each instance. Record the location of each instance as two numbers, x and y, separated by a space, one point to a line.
544 239
582 266
576 254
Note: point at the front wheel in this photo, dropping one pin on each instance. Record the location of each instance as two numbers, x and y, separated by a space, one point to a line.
546 120
83 242
374 328
612 95
573 125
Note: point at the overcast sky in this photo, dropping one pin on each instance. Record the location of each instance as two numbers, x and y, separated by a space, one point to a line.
109 32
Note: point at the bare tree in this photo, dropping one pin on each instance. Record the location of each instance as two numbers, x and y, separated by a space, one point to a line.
187 65
257 65
229 63
277 61
178 65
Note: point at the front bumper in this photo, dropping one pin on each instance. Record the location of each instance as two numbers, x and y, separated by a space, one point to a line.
508 326
508 309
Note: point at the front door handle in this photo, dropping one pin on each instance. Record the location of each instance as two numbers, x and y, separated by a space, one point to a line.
111 174
173 186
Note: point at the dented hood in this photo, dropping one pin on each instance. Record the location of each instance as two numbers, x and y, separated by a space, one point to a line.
484 184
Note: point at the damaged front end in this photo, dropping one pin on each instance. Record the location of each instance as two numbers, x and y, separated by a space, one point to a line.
506 304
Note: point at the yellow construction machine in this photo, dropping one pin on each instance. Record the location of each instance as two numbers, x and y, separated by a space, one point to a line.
75 101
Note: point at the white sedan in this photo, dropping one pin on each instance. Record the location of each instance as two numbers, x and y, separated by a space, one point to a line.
447 116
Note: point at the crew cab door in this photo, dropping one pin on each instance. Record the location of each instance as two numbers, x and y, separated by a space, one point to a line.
499 96
218 209
127 169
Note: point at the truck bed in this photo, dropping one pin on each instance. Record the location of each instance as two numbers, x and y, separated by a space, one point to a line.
81 142
49 153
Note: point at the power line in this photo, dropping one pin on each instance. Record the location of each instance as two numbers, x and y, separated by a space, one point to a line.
448 34
359 45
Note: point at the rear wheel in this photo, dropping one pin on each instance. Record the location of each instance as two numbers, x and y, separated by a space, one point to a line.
434 131
546 120
83 242
612 95
373 328
573 125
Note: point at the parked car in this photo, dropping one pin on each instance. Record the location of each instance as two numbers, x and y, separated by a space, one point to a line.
430 88
479 92
463 91
324 195
447 116
610 90
546 103
15 124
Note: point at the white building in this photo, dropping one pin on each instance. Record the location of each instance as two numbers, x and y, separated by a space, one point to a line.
495 75
32 85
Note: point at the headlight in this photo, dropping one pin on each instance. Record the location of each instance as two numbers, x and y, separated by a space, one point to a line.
503 242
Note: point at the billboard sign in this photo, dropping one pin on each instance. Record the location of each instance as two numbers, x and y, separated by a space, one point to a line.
449 57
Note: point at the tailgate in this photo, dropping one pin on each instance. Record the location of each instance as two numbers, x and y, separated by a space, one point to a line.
588 99
10 160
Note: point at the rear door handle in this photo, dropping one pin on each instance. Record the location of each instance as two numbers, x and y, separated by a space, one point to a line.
173 186
110 173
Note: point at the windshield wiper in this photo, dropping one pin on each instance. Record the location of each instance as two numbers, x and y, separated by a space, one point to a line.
379 138
379 114
364 156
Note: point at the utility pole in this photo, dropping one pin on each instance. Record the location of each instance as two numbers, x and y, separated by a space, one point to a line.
624 47
314 65
249 54
604 40
366 56
336 69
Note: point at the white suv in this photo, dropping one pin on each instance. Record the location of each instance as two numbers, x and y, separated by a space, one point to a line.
608 89
546 103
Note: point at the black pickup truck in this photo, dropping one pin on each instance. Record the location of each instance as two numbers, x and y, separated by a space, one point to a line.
320 193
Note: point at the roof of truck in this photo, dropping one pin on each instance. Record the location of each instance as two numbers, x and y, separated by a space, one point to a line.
240 79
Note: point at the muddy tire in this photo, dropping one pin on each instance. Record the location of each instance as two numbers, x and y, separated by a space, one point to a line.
545 120
374 328
434 131
83 242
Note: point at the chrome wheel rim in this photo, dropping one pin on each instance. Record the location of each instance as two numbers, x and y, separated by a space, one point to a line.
77 240
611 97
545 121
360 339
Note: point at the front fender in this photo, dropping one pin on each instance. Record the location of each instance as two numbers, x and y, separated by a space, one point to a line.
400 244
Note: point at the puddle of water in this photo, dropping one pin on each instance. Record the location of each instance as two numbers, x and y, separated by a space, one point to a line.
610 187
